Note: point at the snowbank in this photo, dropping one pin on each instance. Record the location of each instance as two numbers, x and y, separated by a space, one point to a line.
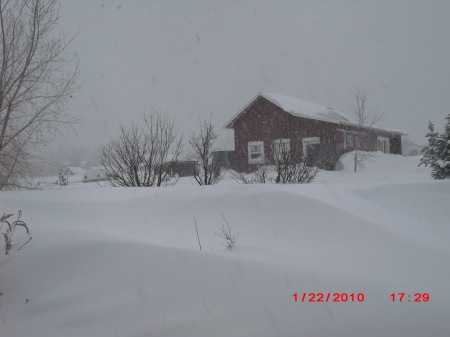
126 262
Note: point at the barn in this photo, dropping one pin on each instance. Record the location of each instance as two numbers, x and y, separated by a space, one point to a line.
270 121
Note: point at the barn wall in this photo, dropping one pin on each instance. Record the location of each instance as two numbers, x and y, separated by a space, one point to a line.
264 121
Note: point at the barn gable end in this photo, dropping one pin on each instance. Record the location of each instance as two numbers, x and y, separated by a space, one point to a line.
272 120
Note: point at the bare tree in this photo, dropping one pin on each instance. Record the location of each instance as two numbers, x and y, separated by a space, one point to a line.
36 82
17 168
126 159
285 163
208 170
366 119
143 156
166 143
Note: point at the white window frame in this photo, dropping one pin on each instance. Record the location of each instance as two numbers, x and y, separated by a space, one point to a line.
309 141
260 159
281 144
383 145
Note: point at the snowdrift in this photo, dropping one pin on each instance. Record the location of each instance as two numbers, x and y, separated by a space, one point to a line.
126 262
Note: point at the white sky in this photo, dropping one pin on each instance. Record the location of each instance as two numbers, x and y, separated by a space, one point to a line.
196 58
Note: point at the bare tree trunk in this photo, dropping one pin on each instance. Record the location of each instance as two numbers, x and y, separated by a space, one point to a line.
366 119
35 82
208 171
166 144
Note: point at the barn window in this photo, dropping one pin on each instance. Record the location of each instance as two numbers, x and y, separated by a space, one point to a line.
309 141
383 144
281 147
349 141
256 152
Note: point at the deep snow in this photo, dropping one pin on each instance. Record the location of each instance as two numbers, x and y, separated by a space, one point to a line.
126 262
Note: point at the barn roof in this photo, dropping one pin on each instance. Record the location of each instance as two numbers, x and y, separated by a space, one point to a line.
301 108
297 107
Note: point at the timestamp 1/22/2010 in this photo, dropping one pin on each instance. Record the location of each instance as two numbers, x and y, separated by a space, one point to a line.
360 297
328 297
404 297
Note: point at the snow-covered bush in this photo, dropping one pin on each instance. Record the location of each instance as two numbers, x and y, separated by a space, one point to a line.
287 169
437 152
292 168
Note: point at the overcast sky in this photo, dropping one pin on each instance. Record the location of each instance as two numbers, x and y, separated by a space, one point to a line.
196 58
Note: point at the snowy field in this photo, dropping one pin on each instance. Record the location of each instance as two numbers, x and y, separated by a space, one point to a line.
126 262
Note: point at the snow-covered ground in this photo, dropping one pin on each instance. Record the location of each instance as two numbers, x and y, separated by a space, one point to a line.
126 262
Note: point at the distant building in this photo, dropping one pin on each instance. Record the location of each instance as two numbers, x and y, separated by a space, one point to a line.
72 171
272 120
184 168
411 149
94 174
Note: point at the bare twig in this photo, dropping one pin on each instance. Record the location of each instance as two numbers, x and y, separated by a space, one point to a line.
198 237
25 243
10 229
227 235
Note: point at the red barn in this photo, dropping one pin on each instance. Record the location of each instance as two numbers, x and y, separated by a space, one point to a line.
273 119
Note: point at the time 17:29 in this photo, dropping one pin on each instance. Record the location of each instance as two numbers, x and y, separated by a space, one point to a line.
404 297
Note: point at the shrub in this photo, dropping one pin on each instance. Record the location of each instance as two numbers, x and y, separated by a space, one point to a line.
7 230
226 234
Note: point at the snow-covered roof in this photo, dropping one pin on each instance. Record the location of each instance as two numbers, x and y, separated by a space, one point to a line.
73 170
95 169
297 107
301 108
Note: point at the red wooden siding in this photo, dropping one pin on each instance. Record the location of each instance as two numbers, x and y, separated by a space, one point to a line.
264 121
